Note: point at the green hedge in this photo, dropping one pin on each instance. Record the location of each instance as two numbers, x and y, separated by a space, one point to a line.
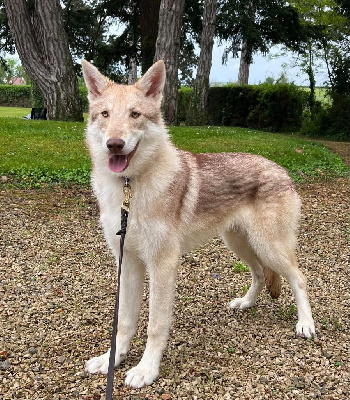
27 96
15 96
271 107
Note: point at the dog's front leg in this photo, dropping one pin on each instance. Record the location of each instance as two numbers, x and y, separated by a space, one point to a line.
162 287
131 290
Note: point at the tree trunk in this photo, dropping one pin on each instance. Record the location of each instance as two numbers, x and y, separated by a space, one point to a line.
168 49
42 45
243 73
198 106
149 15
132 76
246 53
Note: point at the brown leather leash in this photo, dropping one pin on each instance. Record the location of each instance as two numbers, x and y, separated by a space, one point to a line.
124 222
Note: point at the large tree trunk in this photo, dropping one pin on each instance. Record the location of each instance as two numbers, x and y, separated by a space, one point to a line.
246 53
244 65
168 49
198 106
42 45
149 15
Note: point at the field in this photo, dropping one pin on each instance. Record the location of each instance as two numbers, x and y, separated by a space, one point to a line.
33 153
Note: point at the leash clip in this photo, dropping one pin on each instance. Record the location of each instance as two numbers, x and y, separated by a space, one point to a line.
127 194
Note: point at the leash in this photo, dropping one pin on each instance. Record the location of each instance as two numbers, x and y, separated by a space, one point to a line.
125 208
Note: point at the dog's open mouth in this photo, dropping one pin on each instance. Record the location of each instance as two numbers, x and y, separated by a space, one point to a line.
120 162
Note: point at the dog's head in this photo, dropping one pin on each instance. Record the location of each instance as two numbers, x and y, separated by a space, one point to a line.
123 119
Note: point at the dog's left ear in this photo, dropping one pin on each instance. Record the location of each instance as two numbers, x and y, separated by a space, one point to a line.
152 83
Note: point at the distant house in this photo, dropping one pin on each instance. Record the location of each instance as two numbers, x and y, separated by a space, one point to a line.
17 80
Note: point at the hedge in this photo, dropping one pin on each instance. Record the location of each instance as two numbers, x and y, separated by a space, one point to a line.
26 96
15 95
270 107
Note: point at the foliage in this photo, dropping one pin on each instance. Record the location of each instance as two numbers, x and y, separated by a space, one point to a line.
261 23
15 96
9 68
36 98
331 121
272 107
28 96
280 108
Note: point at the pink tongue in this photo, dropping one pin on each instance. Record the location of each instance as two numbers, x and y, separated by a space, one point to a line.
117 163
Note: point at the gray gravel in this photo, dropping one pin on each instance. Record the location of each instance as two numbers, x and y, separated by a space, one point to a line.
57 286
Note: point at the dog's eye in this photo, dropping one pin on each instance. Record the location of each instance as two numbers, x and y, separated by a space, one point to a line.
135 114
104 114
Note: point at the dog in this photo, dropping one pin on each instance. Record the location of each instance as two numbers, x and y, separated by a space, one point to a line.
180 200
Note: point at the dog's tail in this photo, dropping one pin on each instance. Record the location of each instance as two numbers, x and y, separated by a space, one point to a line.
273 282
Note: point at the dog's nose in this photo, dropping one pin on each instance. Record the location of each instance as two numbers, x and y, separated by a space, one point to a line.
115 144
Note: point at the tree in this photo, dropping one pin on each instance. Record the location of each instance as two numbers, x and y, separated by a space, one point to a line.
168 49
38 31
257 25
246 52
149 15
199 98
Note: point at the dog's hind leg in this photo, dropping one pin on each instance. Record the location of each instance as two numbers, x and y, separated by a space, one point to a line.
238 243
273 241
284 263
131 291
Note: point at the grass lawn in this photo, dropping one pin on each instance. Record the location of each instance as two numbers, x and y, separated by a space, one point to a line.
15 112
37 152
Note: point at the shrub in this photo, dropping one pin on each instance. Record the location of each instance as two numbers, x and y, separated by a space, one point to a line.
15 96
36 98
280 108
332 122
29 96
270 107
183 103
231 105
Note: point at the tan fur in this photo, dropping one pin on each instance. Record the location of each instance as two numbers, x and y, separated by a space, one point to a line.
181 200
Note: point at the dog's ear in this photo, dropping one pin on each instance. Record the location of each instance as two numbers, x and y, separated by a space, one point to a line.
95 82
152 83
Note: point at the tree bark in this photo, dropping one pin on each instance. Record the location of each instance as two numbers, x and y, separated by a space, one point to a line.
42 46
132 76
246 53
243 73
168 50
149 15
198 106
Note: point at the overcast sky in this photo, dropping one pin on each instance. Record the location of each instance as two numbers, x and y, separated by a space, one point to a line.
262 68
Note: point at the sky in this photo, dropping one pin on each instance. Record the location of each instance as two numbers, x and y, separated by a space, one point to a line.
262 68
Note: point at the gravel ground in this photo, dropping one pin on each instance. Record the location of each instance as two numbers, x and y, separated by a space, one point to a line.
57 288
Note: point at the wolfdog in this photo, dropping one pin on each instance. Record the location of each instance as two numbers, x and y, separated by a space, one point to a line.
180 200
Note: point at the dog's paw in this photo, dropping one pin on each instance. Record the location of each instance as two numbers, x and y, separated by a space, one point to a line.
241 303
98 365
305 329
140 376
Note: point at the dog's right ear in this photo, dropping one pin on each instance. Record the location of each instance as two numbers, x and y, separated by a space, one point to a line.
95 82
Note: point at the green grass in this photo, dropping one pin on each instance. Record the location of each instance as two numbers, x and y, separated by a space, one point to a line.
302 158
14 112
36 152
33 153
